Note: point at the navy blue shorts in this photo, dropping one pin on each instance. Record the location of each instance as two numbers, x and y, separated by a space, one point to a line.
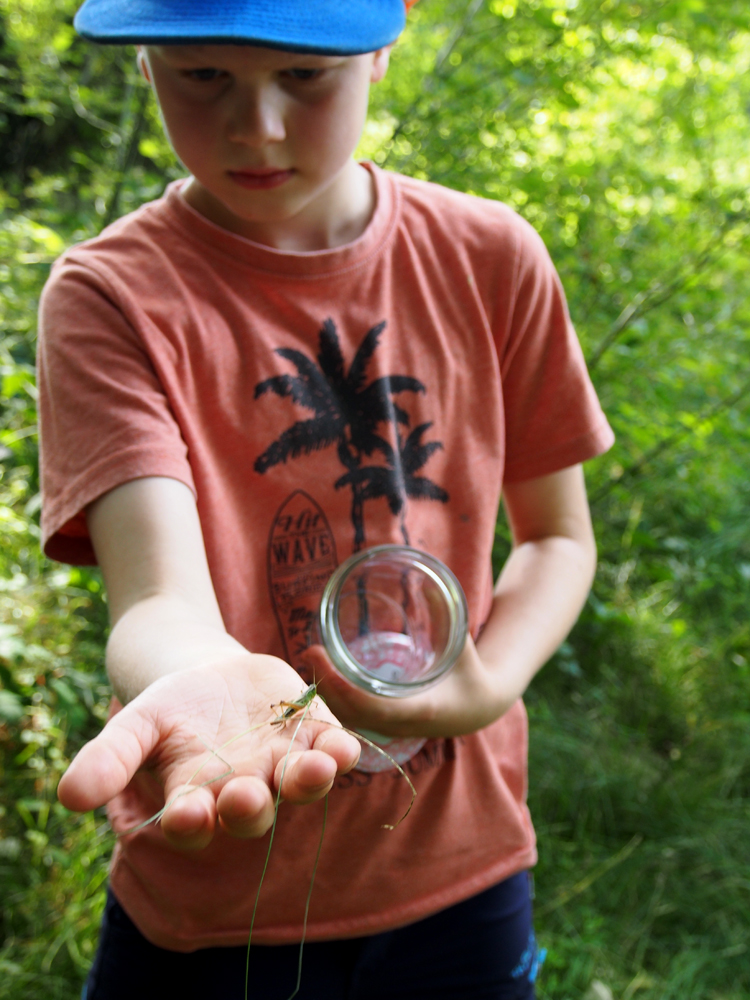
481 949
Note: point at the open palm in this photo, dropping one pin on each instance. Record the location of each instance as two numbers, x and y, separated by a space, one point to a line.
213 727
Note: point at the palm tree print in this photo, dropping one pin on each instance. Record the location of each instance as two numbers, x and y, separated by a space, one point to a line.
399 481
348 411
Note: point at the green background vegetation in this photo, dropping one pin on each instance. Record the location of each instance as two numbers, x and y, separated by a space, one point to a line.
620 130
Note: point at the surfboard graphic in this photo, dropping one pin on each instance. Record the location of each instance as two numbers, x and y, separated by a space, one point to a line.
301 558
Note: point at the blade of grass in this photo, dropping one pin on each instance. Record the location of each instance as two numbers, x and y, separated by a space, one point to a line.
567 894
309 897
270 845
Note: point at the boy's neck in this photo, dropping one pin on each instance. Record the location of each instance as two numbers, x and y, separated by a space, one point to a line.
339 215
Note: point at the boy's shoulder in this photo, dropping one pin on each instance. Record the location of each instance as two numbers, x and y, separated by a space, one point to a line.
146 226
137 258
425 193
466 218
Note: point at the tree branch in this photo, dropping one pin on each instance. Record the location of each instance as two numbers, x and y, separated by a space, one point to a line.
125 160
660 290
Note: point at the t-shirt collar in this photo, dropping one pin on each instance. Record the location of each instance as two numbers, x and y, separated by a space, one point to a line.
290 262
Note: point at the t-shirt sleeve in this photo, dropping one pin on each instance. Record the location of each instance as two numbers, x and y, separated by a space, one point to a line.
552 415
104 416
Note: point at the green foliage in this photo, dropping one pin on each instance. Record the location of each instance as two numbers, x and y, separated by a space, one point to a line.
53 696
620 130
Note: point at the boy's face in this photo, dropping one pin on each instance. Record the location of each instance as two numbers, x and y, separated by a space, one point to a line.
268 136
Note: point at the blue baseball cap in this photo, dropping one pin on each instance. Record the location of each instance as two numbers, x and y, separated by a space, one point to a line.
325 27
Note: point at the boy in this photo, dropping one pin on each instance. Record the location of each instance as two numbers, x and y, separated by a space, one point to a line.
289 357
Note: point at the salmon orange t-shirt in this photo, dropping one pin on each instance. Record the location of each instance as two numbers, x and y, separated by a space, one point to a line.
317 403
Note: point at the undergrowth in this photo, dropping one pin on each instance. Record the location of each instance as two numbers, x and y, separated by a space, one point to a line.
639 777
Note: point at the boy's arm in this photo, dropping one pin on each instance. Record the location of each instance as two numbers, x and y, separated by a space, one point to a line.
538 597
186 684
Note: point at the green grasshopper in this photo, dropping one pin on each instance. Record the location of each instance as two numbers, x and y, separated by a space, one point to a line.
292 708
302 704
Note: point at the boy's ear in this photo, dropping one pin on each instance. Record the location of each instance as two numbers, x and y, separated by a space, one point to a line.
380 64
143 66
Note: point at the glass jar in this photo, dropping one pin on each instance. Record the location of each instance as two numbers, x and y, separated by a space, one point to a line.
393 621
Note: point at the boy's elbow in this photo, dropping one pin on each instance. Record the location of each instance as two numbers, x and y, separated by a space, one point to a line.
585 542
592 556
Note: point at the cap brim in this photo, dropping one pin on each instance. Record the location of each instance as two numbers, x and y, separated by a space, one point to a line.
327 27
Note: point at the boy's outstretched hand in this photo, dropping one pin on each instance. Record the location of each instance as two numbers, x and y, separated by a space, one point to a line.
172 727
188 688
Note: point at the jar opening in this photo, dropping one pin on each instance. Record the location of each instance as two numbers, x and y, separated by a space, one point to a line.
393 620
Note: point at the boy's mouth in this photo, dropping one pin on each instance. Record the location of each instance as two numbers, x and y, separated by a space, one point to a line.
262 178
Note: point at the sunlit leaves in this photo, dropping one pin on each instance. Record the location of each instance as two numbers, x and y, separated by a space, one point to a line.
621 132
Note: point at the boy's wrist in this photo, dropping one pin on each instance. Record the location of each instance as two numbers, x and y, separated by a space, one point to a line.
135 666
161 636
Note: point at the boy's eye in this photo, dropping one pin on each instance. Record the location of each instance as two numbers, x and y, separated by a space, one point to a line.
207 75
304 74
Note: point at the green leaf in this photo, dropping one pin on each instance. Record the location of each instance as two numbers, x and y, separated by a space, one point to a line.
11 707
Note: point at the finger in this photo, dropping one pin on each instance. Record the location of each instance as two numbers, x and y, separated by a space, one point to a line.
190 818
308 775
340 745
105 766
246 807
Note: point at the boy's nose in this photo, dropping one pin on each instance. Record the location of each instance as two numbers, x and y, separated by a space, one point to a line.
257 118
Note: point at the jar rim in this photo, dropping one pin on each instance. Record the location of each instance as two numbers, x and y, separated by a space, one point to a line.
337 649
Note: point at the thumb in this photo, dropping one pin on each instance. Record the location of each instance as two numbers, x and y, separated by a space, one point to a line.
106 765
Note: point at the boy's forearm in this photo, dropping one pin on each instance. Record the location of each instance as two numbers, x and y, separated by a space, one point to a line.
538 598
161 635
